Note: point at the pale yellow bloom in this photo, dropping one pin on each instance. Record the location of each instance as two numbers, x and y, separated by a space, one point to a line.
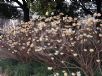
65 74
91 50
73 74
52 58
32 45
98 60
49 68
85 50
75 54
28 43
47 13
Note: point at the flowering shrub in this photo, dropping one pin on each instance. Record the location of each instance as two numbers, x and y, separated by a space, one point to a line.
60 41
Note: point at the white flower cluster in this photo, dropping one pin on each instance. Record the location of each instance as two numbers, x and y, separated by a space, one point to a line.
55 39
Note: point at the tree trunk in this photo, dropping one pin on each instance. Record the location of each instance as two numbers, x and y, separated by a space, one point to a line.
26 15
87 11
98 4
25 9
88 71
